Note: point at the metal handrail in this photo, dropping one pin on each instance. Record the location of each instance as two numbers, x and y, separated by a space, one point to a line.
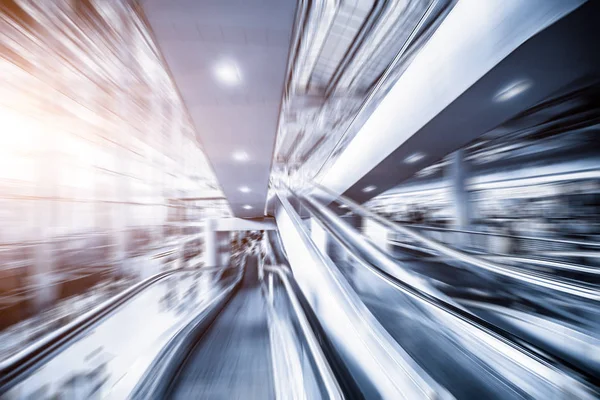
547 309
526 260
12 368
504 235
159 376
578 254
513 347
530 277
325 372
374 339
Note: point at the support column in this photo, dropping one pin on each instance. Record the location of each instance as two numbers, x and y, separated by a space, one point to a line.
43 276
210 244
459 172
121 209
121 104
223 241
462 205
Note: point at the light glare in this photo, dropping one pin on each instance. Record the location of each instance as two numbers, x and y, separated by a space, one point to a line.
512 90
241 156
369 188
413 158
228 73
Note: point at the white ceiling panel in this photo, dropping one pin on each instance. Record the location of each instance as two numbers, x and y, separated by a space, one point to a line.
246 42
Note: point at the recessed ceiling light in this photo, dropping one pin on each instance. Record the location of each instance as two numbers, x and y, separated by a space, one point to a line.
247 207
369 188
244 189
343 206
240 156
512 90
228 73
415 157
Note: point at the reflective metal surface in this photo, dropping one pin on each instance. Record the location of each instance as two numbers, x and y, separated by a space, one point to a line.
233 358
329 385
578 289
496 347
112 356
381 367
260 346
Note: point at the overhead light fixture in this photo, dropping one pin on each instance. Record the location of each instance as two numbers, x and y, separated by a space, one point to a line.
513 90
415 157
228 73
247 207
244 189
369 188
240 156
343 206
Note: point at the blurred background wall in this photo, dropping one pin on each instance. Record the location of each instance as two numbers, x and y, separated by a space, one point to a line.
100 168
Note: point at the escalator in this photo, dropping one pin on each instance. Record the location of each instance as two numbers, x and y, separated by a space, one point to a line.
431 348
457 347
233 357
541 306
180 336
560 325
444 357
324 314
256 345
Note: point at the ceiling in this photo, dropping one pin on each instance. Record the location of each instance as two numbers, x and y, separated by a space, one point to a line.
565 124
446 95
349 54
229 61
552 60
